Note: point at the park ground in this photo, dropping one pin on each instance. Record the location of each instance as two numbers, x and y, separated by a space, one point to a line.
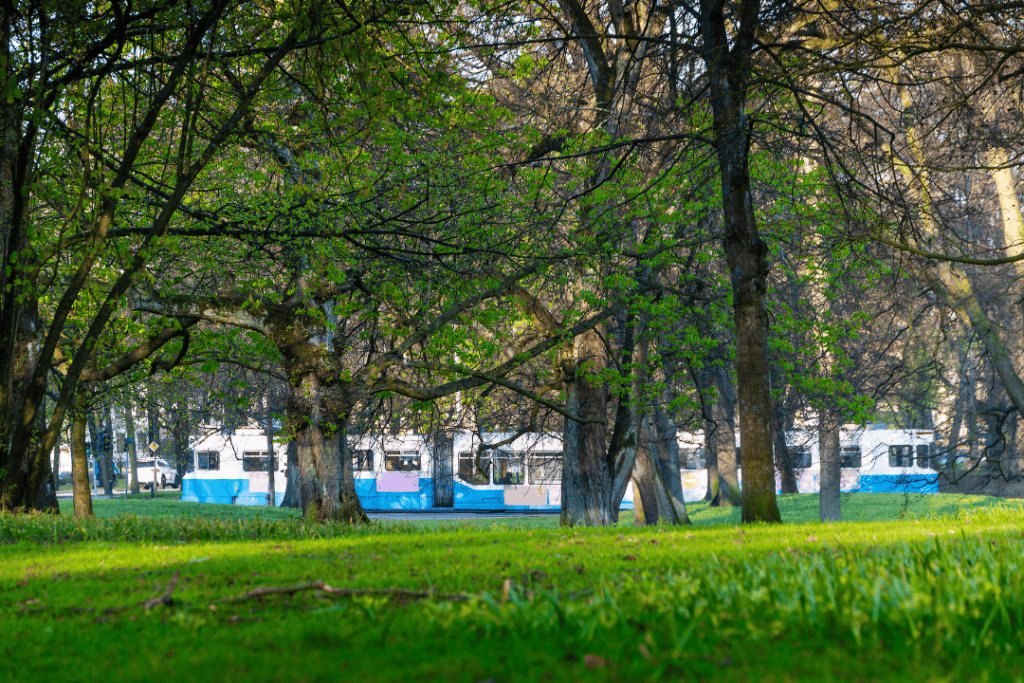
915 588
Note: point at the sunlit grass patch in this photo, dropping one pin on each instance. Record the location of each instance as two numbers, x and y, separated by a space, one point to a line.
925 598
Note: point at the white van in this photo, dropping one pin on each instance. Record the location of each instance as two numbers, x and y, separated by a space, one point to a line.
165 474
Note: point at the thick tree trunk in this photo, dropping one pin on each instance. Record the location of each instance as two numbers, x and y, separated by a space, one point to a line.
586 483
319 484
80 464
830 459
326 484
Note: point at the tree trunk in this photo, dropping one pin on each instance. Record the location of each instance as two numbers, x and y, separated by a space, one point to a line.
271 458
291 490
645 484
153 423
711 459
666 455
99 464
720 437
80 463
326 483
783 461
351 508
746 255
133 459
318 484
829 498
56 460
107 434
586 485
728 59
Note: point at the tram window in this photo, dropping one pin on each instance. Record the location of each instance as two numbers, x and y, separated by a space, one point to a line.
693 458
738 456
545 468
924 456
208 460
509 468
850 457
406 461
800 456
255 461
901 456
362 460
470 473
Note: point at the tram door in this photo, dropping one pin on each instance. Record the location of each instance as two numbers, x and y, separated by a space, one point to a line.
444 482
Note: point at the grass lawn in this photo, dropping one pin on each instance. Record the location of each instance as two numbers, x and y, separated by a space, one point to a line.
929 591
857 507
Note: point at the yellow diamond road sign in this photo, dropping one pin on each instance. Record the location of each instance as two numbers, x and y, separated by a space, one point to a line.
153 446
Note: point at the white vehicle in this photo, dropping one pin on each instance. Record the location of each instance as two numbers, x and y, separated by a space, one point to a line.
165 474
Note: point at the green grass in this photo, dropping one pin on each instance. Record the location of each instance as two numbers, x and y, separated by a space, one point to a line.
928 596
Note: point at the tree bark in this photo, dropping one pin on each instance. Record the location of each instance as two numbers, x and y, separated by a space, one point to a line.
646 510
586 486
291 491
80 463
107 432
665 453
783 461
830 459
271 458
351 508
728 59
133 460
718 407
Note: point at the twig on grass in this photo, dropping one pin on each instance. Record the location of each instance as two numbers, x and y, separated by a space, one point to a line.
166 598
331 590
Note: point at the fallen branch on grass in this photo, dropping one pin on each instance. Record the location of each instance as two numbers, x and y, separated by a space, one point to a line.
331 590
166 598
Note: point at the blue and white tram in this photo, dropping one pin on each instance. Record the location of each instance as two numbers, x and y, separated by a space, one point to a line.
874 460
234 469
403 472
411 472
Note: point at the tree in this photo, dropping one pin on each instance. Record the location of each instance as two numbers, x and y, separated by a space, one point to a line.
131 106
